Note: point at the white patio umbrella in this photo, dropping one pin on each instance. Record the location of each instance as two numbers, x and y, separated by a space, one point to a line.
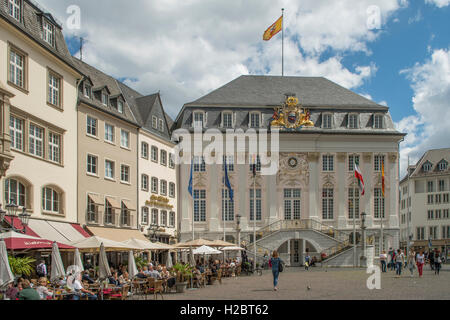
232 249
77 260
191 257
6 275
103 267
169 263
132 269
57 264
206 250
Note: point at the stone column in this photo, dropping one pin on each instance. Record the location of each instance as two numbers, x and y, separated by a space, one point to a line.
272 198
214 199
366 200
341 187
392 191
313 159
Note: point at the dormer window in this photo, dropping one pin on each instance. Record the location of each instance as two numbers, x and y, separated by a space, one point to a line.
326 121
353 121
427 167
120 106
15 9
105 98
154 122
87 91
48 32
227 119
161 125
443 165
255 118
378 121
198 119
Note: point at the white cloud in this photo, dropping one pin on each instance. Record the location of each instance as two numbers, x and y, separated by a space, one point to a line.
187 48
439 3
429 128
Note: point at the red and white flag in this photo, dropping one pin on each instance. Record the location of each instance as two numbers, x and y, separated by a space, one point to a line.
359 176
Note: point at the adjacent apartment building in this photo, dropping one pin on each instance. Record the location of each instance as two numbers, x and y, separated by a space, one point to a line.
424 200
38 90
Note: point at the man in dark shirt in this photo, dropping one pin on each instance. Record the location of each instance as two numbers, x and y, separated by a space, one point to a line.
87 278
27 292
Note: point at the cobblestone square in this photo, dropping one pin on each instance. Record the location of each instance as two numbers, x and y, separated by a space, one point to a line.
331 284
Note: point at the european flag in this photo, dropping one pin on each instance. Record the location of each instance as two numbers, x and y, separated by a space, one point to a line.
227 181
190 180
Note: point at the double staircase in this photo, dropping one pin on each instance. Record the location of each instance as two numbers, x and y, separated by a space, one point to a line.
328 241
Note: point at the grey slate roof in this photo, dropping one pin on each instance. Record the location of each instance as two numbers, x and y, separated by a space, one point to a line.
271 90
433 156
31 25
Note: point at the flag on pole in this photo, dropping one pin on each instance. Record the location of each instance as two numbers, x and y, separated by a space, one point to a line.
273 29
227 181
190 180
382 177
359 176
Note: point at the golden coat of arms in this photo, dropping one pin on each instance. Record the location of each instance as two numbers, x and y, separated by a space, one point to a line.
291 115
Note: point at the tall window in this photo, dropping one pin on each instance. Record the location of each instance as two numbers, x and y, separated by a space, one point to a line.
255 201
91 126
125 215
164 157
353 203
144 150
16 132
163 187
54 89
15 9
327 203
433 232
420 233
154 122
171 160
353 121
164 218
378 161
87 91
120 106
378 121
105 98
109 132
161 125
172 219
15 191
109 213
50 200
144 215
154 185
36 136
155 215
48 33
198 120
230 163
227 206
227 120
91 210
124 138
292 204
351 162
199 205
326 123
109 169
199 164
144 182
430 186
172 190
92 164
328 163
441 185
125 173
378 204
154 154
54 147
17 68
254 120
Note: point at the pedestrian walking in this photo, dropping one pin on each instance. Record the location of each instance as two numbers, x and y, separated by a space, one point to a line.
411 261
307 261
431 258
390 259
399 261
277 267
437 262
383 258
41 269
420 260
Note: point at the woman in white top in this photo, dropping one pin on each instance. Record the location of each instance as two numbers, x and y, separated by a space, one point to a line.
411 261
399 261
42 289
420 259
383 258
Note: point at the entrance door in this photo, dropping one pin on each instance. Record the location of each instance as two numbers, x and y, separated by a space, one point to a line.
296 253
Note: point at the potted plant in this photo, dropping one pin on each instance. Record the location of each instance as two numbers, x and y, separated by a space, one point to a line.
21 266
183 271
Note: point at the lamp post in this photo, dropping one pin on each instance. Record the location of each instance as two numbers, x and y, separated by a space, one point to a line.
152 232
11 212
363 231
238 229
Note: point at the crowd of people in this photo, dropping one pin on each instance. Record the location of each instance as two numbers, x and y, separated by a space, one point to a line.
396 260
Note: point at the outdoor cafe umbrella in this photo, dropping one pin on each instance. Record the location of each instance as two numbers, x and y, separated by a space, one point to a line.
6 275
206 250
57 266
132 269
169 263
103 267
77 260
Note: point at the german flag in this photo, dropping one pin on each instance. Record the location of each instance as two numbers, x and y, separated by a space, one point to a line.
273 29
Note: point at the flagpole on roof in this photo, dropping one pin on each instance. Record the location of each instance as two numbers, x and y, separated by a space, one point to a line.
282 42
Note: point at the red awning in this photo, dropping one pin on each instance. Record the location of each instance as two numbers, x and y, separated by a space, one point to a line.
16 241
80 230
18 225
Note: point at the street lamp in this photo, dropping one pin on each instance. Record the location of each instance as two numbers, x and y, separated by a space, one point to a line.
238 229
363 229
12 210
152 232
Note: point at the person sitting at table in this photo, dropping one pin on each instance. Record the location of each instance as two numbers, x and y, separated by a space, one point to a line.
124 278
80 290
28 293
42 289
146 271
141 274
12 291
153 273
114 279
86 277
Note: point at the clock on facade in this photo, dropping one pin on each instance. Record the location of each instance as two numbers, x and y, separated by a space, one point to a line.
293 162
